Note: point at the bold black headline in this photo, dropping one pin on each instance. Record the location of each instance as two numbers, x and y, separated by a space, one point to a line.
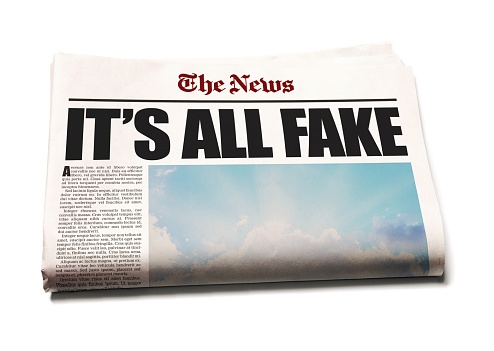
200 133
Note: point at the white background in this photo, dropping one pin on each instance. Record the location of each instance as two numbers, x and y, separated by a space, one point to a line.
450 47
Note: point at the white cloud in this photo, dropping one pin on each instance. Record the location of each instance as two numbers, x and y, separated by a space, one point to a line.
399 234
162 246
332 233
241 223
276 252
163 173
215 248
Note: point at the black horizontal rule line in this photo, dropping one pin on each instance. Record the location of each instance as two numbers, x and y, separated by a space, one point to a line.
228 101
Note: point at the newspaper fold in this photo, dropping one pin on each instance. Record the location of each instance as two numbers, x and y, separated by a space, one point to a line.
290 167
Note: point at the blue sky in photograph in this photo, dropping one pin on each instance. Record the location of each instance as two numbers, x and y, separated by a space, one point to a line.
209 210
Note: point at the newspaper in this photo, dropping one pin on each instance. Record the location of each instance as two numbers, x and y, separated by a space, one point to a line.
213 171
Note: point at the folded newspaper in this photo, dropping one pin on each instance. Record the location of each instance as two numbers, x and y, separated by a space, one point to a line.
283 168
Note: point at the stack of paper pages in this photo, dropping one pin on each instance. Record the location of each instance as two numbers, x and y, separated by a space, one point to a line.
211 171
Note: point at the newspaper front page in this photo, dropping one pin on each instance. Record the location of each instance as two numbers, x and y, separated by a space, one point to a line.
281 168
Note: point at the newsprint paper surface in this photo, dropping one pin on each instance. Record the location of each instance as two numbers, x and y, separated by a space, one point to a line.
281 168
